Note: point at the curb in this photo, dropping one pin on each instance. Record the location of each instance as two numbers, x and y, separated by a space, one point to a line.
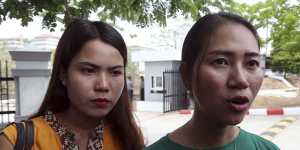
259 111
185 111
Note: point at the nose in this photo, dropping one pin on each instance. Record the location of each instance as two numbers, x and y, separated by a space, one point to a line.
101 83
238 78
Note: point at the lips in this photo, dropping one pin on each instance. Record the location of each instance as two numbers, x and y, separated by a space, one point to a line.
101 102
238 103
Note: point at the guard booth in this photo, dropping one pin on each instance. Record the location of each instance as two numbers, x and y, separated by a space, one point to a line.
7 94
164 88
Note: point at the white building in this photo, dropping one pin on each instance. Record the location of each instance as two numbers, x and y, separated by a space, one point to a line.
156 63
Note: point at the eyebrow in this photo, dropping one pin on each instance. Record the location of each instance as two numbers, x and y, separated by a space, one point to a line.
99 67
230 53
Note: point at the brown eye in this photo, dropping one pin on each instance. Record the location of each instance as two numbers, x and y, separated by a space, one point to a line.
88 71
116 72
220 62
252 64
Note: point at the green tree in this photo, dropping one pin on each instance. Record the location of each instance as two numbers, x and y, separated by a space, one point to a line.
283 19
4 55
140 12
132 67
286 39
5 58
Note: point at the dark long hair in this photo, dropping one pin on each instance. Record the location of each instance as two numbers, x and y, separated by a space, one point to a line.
198 38
56 100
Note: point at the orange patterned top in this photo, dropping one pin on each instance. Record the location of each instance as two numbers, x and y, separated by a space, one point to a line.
47 139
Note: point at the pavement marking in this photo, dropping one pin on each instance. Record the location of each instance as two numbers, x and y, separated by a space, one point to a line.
277 128
283 123
268 137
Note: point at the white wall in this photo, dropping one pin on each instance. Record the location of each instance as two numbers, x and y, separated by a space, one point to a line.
156 68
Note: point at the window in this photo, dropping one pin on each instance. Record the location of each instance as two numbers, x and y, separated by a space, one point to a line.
156 83
159 83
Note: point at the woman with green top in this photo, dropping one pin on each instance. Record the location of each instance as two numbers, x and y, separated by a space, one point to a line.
221 67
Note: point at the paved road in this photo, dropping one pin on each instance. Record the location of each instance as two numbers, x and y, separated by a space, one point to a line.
289 139
156 125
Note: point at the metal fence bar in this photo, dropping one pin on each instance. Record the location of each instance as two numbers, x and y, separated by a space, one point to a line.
164 92
1 95
174 95
6 89
8 106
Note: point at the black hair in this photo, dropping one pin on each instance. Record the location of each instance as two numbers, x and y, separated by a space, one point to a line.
56 100
198 38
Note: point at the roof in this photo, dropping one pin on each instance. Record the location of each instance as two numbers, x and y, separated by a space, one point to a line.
44 42
155 55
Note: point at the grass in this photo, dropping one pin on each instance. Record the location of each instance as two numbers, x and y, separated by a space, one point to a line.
272 101
269 83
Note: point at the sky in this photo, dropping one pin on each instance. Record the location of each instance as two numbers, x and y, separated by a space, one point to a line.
13 29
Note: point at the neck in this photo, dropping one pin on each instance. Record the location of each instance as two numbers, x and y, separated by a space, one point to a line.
201 132
77 121
211 134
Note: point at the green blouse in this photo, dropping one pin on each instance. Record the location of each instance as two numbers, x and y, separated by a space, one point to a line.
245 141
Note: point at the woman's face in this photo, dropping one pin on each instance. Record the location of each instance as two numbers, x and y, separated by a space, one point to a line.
95 79
230 75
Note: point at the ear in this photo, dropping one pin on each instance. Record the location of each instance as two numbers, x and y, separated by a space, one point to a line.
185 75
62 76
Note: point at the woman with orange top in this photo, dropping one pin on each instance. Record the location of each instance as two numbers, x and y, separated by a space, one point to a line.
86 106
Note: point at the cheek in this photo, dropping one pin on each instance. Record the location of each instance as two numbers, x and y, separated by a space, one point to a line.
78 86
207 83
79 83
209 79
256 83
118 86
76 90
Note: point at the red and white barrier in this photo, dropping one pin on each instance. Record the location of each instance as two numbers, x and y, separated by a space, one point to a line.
260 111
275 111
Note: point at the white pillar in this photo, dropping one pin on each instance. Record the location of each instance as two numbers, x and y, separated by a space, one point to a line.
31 76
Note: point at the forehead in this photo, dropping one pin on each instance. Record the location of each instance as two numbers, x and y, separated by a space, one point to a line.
233 37
99 53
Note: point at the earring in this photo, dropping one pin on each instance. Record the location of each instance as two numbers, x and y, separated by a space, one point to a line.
63 82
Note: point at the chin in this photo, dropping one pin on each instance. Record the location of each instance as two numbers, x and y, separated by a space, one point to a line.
98 114
236 120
